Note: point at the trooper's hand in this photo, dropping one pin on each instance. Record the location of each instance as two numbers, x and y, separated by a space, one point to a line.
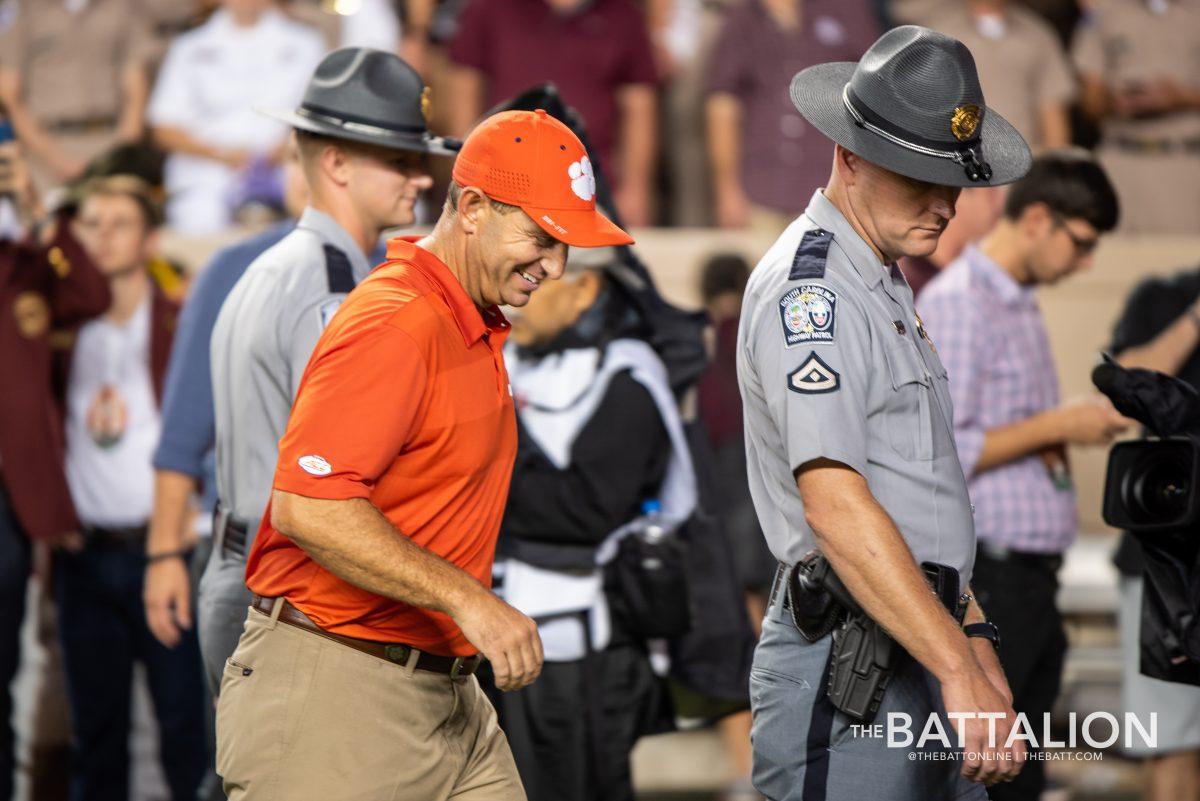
168 599
507 638
1091 420
985 758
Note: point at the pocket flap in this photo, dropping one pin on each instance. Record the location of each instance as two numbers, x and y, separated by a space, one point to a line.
905 365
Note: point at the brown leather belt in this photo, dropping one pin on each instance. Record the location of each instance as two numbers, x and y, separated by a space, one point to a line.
400 654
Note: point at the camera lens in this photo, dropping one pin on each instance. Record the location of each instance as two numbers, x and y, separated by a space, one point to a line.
1157 488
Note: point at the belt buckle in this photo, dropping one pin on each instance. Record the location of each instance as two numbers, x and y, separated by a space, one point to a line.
456 667
397 653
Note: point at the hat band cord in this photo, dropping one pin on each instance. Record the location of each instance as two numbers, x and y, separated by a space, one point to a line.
357 127
975 169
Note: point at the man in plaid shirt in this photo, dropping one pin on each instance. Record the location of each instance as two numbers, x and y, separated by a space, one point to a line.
1010 428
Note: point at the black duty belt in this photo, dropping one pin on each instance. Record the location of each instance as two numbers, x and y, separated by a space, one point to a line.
957 608
230 533
398 653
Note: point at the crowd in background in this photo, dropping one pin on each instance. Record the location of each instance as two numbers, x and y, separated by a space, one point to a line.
688 115
686 101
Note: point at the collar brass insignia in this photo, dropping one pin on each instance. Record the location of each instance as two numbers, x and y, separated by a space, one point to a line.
426 103
965 121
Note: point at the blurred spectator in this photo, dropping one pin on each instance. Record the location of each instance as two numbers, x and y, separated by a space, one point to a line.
599 434
1159 329
976 211
222 152
113 385
1139 61
364 23
684 44
167 19
72 75
45 285
765 159
1022 66
722 284
1010 429
597 52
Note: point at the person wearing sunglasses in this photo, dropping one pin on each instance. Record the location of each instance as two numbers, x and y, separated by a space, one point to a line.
1010 428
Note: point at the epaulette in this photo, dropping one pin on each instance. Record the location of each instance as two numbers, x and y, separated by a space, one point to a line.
809 261
338 271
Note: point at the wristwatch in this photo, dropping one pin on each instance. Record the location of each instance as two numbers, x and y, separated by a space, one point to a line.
987 631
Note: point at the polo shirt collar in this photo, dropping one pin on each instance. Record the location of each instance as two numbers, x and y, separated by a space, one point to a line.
472 321
329 230
821 211
991 273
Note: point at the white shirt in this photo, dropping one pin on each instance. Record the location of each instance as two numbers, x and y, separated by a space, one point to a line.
370 23
112 422
211 83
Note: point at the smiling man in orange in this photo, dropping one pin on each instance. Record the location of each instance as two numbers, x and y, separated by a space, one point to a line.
371 569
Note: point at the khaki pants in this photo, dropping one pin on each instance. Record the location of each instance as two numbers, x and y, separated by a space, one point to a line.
303 717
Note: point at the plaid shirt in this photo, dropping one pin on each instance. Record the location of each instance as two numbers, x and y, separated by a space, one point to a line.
991 337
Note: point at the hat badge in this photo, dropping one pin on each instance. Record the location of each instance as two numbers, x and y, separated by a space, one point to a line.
965 121
426 103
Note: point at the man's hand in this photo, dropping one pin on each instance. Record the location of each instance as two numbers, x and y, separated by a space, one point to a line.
974 693
68 541
989 662
1091 420
167 595
505 636
633 202
733 209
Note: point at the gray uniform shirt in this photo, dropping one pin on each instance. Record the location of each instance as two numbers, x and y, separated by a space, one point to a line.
265 333
833 363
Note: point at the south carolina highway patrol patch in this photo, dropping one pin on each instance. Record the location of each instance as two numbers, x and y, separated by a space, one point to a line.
807 313
814 377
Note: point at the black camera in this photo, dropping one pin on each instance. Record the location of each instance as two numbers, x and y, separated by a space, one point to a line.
1151 485
1151 492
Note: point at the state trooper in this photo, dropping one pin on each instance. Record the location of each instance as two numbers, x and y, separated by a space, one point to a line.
851 453
363 145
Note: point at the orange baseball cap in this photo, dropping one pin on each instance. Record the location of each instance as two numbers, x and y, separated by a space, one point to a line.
531 160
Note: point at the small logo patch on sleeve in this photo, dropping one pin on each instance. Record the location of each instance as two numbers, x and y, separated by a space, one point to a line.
314 465
327 310
814 377
808 314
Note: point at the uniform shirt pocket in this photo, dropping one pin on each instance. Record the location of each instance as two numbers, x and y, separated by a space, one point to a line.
910 407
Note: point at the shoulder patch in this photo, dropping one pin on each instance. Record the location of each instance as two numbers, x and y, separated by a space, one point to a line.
808 313
326 311
809 261
814 377
338 271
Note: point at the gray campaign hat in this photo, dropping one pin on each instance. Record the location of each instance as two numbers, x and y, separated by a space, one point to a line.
913 105
368 96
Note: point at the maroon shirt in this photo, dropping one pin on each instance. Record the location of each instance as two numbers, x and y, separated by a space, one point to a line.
588 54
41 292
784 159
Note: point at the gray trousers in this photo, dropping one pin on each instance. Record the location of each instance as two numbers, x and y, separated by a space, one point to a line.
221 608
805 750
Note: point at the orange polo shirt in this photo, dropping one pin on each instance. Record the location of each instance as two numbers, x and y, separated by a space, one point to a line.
405 402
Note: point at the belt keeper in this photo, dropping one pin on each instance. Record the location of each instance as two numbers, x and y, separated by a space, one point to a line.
276 608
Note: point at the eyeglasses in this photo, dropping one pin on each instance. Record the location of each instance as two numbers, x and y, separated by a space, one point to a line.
1083 245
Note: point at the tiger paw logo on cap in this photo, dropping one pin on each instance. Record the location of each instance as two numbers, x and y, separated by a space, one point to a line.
521 158
583 180
314 465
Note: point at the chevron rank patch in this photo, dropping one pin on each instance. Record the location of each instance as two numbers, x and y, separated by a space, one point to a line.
814 377
807 313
